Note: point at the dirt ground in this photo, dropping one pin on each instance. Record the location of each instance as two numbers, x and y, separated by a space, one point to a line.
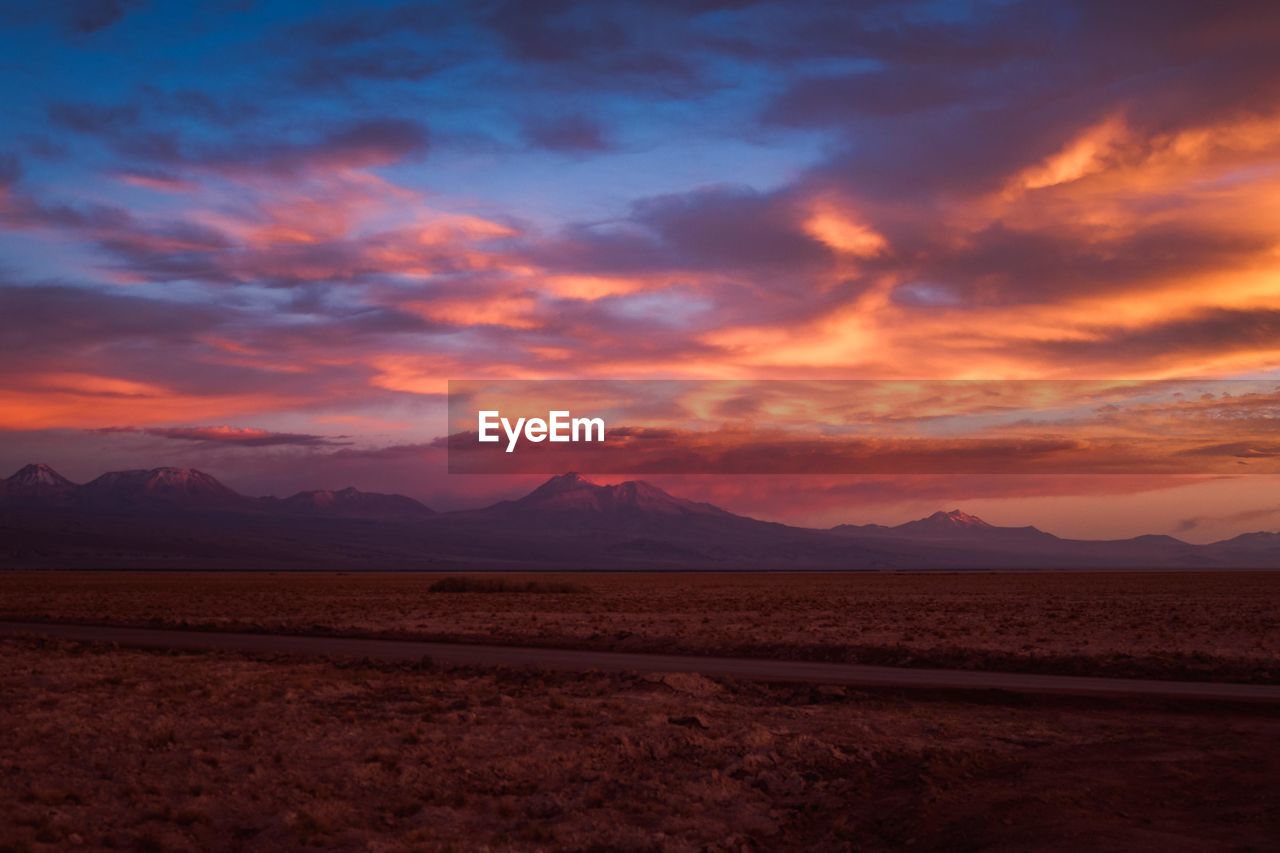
1210 626
121 749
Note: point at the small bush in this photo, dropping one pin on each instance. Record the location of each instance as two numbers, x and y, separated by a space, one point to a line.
454 584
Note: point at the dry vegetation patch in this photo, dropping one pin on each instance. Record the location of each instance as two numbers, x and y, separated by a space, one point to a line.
1206 626
506 585
124 749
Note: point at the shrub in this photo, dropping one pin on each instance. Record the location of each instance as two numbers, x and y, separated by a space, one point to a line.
473 584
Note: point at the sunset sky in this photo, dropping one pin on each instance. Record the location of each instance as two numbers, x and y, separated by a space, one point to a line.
259 237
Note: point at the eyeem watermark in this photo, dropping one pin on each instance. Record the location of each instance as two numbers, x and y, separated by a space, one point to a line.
1055 427
559 426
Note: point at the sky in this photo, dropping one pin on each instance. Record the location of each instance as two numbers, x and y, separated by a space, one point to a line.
259 237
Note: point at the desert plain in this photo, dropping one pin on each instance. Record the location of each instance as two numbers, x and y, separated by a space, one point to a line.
1196 625
116 748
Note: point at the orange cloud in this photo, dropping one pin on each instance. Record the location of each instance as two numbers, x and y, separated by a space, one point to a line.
842 232
50 407
513 312
1087 153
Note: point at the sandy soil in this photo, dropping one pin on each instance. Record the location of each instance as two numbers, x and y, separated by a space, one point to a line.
1211 626
103 748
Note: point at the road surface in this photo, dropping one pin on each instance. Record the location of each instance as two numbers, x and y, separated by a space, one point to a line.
853 675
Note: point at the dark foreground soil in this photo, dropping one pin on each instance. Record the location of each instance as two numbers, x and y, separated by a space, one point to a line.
121 749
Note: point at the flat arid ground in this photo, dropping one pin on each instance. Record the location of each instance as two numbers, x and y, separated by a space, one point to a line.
1175 625
123 749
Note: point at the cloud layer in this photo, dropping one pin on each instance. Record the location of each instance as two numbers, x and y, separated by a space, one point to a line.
301 225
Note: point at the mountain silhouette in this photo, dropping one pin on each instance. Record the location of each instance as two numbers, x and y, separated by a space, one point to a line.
188 489
353 503
183 518
948 526
37 483
573 496
182 488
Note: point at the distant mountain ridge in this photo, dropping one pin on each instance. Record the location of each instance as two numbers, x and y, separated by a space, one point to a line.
573 494
176 487
179 517
353 503
188 489
948 526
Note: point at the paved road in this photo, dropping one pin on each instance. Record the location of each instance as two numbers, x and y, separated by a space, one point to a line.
856 675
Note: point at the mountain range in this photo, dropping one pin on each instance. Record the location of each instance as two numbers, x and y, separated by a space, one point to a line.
183 518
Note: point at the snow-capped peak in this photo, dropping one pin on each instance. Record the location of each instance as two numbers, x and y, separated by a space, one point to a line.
560 484
38 475
169 485
957 518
